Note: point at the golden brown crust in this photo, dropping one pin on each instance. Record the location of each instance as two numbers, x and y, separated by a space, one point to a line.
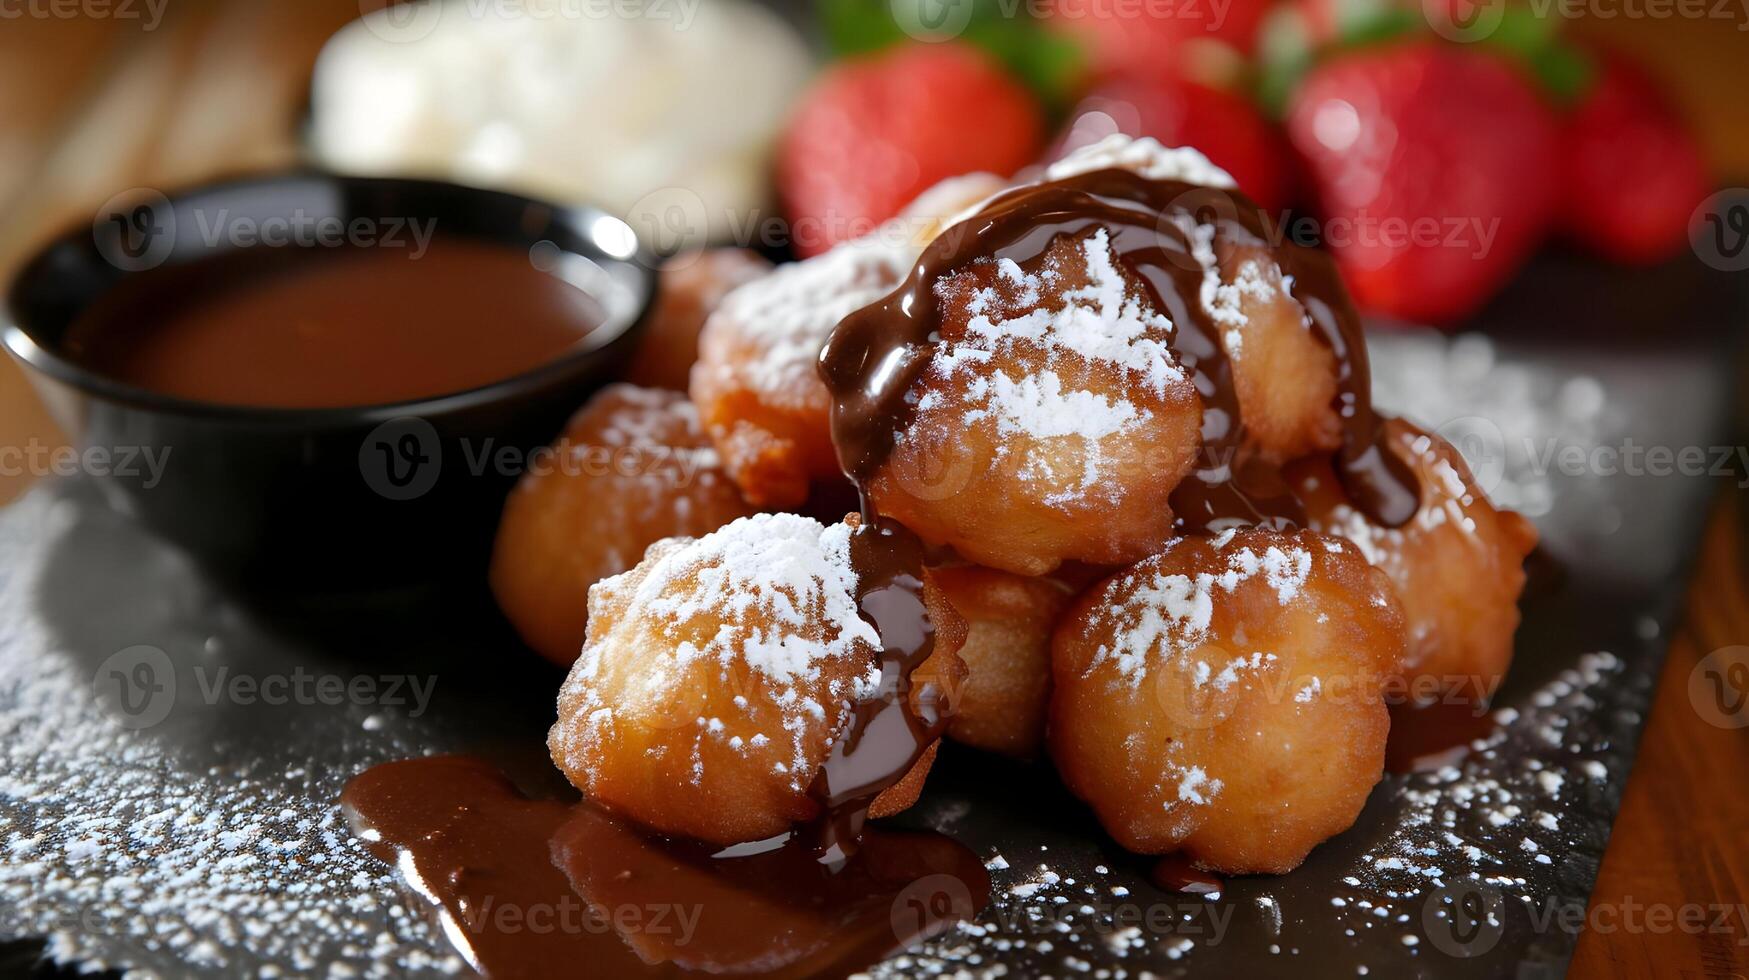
1458 565
900 796
758 392
1226 697
719 672
1022 451
1007 653
1284 374
632 467
691 286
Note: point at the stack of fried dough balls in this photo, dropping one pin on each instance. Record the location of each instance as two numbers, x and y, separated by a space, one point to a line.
1219 694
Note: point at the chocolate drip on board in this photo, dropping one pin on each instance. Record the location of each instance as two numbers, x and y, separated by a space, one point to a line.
546 888
1176 873
875 356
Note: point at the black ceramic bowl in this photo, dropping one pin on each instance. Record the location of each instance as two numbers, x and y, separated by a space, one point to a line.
324 502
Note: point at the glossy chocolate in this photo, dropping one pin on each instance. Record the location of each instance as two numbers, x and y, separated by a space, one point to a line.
1428 737
332 327
545 888
1176 873
876 355
890 732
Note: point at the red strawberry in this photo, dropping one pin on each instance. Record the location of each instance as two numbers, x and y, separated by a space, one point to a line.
1434 165
1633 171
874 132
1225 127
1124 36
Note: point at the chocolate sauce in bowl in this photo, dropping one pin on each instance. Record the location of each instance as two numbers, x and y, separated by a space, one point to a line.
312 327
875 355
545 888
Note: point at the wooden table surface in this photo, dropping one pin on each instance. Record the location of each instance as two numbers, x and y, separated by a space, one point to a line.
126 96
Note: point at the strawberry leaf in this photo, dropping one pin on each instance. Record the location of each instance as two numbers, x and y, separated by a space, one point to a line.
1047 62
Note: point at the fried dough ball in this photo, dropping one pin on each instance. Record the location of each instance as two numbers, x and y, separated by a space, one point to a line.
632 467
1053 420
1284 374
692 284
758 392
718 674
1458 564
1001 706
1225 698
756 383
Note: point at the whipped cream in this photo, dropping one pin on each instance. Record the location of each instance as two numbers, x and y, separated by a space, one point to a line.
663 112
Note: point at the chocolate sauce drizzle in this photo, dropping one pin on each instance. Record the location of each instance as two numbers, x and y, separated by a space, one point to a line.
875 355
887 734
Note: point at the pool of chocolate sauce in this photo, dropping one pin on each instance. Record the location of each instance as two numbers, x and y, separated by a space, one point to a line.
309 327
1426 737
543 888
1176 873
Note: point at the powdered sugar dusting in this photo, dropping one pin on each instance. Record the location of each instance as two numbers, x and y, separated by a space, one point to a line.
74 785
781 593
791 312
1145 156
1169 615
1102 322
788 568
1468 835
173 850
1225 301
1196 783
